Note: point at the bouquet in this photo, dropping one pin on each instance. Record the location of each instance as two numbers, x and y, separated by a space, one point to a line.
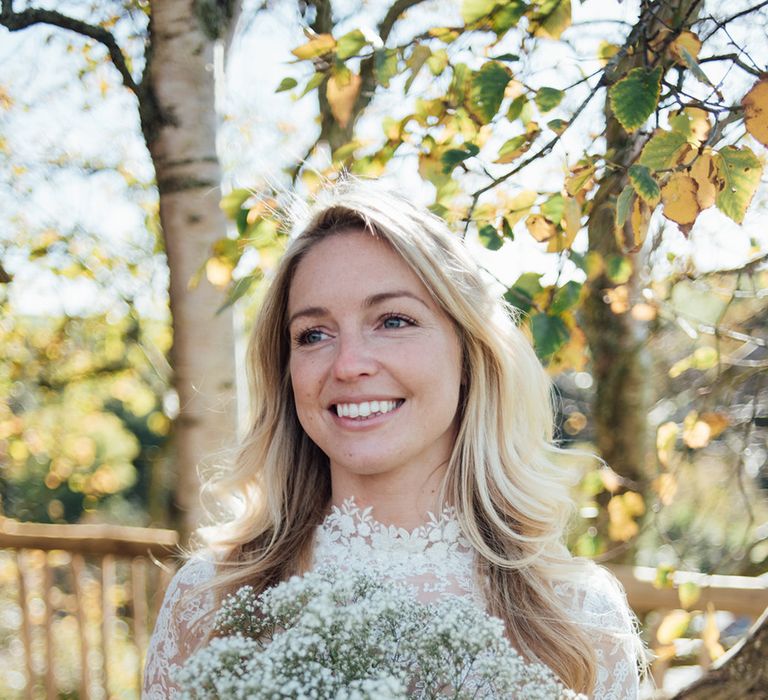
341 635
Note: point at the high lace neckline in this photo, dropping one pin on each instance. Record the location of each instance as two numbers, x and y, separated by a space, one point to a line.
435 557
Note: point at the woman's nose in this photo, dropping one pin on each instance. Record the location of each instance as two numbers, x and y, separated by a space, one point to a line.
354 358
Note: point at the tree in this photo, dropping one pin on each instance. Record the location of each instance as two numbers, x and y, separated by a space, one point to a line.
174 98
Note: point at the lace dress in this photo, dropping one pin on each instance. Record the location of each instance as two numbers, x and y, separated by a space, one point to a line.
436 560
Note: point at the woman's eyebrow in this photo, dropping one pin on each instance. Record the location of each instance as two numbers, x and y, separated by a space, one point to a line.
373 300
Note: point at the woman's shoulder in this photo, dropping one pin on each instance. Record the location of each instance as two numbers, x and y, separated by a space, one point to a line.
597 599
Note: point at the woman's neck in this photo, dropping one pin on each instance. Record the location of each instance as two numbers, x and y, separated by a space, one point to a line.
401 502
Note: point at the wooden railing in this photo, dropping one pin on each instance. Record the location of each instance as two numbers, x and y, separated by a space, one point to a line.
86 596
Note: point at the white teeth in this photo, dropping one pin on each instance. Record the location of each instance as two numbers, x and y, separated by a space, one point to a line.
364 409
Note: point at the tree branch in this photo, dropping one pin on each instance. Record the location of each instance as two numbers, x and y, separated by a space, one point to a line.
16 21
734 58
397 9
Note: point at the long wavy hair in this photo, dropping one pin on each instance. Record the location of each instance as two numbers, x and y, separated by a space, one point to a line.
512 497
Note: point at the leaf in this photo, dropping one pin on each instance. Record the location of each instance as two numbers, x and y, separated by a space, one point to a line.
606 51
679 199
507 15
473 10
692 122
565 297
231 202
696 69
552 19
553 208
516 107
644 184
755 104
416 61
717 423
350 44
513 148
618 268
622 511
438 61
487 92
688 593
696 433
623 204
548 98
580 177
704 174
342 96
315 81
509 57
540 228
710 634
663 150
558 125
673 626
385 61
518 206
634 98
739 172
453 156
665 486
523 291
666 437
549 334
489 237
685 41
286 84
317 46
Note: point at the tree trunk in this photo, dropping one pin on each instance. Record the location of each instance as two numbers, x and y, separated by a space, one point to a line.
183 149
741 673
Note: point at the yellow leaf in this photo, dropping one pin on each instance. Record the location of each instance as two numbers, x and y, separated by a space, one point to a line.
218 271
554 20
665 486
634 503
704 174
673 626
666 437
717 423
621 513
644 312
688 41
611 480
317 46
638 222
679 199
755 105
342 94
710 634
518 206
688 593
664 578
696 433
540 228
618 298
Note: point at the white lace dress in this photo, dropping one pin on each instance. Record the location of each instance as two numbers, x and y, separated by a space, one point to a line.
436 560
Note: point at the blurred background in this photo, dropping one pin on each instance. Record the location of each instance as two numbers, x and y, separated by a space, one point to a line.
603 161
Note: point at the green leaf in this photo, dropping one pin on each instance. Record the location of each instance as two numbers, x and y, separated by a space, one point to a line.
239 289
453 156
313 82
644 184
662 150
548 98
522 292
507 16
694 67
634 98
509 57
488 85
489 237
385 61
516 107
553 208
507 229
350 44
618 268
624 205
473 10
457 92
231 202
549 334
512 149
241 221
286 84
565 297
558 125
552 18
739 171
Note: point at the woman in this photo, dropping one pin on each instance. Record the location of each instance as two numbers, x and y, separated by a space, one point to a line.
402 423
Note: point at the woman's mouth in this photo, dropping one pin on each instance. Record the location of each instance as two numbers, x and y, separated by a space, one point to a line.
366 409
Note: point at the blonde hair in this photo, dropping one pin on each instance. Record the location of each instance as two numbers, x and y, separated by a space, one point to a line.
512 499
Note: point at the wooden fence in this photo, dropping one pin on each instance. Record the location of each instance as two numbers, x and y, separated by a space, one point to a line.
87 596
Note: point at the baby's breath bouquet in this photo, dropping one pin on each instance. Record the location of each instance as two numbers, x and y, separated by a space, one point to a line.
341 635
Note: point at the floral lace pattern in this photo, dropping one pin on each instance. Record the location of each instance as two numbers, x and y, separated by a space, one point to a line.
436 560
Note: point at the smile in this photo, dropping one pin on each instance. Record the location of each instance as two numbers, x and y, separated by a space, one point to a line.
366 409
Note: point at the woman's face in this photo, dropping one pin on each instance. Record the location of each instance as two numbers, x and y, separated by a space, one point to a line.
375 364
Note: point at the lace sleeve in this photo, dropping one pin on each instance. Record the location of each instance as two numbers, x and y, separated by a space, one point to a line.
601 607
173 639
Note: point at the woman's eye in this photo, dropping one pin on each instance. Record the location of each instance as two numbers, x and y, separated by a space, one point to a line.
309 337
396 322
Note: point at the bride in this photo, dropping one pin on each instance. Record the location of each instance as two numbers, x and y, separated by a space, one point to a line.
403 424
